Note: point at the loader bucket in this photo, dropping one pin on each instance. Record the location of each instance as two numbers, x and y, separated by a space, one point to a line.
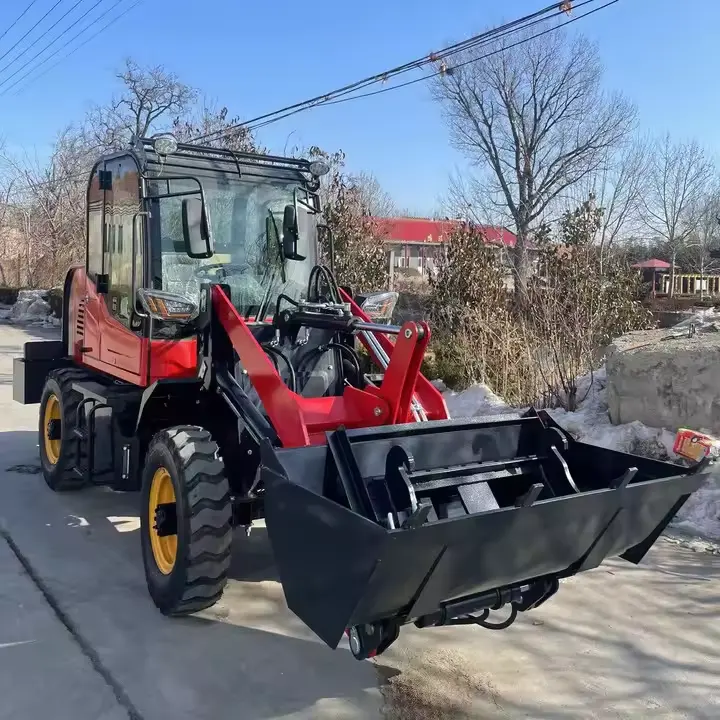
413 521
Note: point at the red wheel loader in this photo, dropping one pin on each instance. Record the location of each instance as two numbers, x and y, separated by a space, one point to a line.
209 362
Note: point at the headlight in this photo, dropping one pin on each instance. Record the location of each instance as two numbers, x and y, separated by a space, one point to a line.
379 307
167 306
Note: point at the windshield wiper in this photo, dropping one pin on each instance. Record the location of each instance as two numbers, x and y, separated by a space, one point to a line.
270 274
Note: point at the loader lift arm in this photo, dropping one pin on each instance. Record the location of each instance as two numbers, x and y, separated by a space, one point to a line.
301 421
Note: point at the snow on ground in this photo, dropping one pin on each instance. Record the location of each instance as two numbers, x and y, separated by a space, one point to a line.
590 423
477 400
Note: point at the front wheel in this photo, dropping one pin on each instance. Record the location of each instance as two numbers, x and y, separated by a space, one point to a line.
185 520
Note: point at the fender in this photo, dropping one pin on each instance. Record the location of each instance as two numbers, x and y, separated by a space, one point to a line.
65 320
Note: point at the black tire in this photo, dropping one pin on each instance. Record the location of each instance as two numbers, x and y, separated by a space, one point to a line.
58 466
196 577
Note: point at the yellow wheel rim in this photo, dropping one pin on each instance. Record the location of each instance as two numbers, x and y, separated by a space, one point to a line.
164 547
52 447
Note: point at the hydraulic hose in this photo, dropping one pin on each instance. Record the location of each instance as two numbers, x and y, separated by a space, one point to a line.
272 350
504 624
314 284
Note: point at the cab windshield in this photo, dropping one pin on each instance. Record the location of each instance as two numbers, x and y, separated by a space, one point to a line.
246 220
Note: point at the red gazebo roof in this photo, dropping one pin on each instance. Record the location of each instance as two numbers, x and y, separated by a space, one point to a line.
653 264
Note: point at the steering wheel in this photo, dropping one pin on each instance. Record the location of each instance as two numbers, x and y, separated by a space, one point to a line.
202 271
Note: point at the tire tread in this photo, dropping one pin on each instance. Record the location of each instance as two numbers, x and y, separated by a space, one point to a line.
209 509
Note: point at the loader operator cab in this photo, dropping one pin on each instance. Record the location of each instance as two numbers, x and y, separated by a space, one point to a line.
249 223
254 232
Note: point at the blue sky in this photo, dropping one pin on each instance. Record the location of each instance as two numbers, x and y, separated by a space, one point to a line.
258 56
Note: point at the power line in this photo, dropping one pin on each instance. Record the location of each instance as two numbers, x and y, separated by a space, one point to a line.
32 44
339 97
459 65
475 41
73 51
17 19
274 117
31 29
383 76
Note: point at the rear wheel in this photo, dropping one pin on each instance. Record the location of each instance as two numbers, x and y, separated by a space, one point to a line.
58 410
185 520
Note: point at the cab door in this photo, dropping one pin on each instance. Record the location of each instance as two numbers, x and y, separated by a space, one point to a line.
121 343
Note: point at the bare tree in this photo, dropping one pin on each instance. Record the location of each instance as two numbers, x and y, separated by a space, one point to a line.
226 132
5 227
46 217
535 121
468 198
696 253
617 188
150 98
678 177
374 199
360 257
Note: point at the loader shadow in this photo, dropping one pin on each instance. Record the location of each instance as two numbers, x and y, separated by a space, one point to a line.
257 659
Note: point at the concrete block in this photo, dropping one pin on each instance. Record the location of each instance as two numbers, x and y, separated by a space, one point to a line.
664 381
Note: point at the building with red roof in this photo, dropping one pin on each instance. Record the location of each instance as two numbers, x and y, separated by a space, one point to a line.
416 243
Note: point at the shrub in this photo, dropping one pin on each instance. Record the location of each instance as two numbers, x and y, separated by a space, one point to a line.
579 304
531 353
476 337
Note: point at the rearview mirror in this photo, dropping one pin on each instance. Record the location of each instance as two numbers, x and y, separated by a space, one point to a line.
290 234
196 228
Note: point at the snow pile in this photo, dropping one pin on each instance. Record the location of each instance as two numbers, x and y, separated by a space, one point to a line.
704 320
701 513
477 400
31 308
590 423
